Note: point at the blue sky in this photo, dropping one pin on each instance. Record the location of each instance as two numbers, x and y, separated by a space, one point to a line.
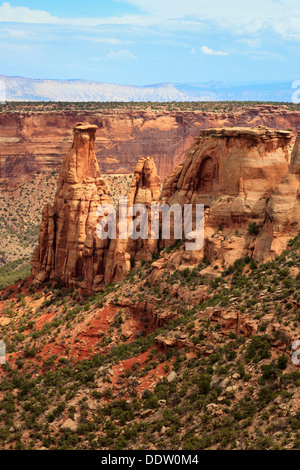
143 42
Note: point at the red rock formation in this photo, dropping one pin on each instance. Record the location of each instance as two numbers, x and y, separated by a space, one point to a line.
232 171
144 190
35 141
68 246
282 212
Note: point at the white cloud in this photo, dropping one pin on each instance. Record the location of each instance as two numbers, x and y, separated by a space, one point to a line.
283 16
102 40
16 34
121 56
250 42
10 14
230 10
208 51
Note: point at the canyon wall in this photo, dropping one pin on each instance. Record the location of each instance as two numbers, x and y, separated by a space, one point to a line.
32 142
282 222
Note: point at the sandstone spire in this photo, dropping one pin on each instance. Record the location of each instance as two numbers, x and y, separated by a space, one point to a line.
80 162
122 254
68 246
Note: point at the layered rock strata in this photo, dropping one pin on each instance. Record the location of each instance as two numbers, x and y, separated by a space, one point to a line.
282 212
32 142
232 172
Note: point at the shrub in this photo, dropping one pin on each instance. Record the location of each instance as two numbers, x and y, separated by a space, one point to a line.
282 362
253 228
258 349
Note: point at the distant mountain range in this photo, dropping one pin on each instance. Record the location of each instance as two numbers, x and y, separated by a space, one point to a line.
220 91
28 89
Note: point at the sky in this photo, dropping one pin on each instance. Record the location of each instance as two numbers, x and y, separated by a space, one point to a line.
142 42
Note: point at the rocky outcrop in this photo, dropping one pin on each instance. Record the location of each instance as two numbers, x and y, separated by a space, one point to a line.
34 141
123 253
232 172
233 162
243 177
69 248
282 212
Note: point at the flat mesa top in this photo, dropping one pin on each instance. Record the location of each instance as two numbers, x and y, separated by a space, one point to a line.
85 126
259 131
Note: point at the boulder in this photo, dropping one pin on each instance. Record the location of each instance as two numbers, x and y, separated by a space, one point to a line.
172 377
70 425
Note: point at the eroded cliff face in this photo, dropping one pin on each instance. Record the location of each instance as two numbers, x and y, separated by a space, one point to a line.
233 173
230 162
282 212
69 248
35 142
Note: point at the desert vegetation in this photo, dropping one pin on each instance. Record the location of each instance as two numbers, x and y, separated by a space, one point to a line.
201 106
208 366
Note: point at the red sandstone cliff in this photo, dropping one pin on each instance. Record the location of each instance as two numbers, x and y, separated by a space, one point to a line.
232 172
35 141
282 212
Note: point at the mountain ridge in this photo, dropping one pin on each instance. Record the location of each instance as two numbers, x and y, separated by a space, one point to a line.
27 89
75 90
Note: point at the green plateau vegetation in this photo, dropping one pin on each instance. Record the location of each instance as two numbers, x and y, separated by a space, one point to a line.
13 272
201 106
